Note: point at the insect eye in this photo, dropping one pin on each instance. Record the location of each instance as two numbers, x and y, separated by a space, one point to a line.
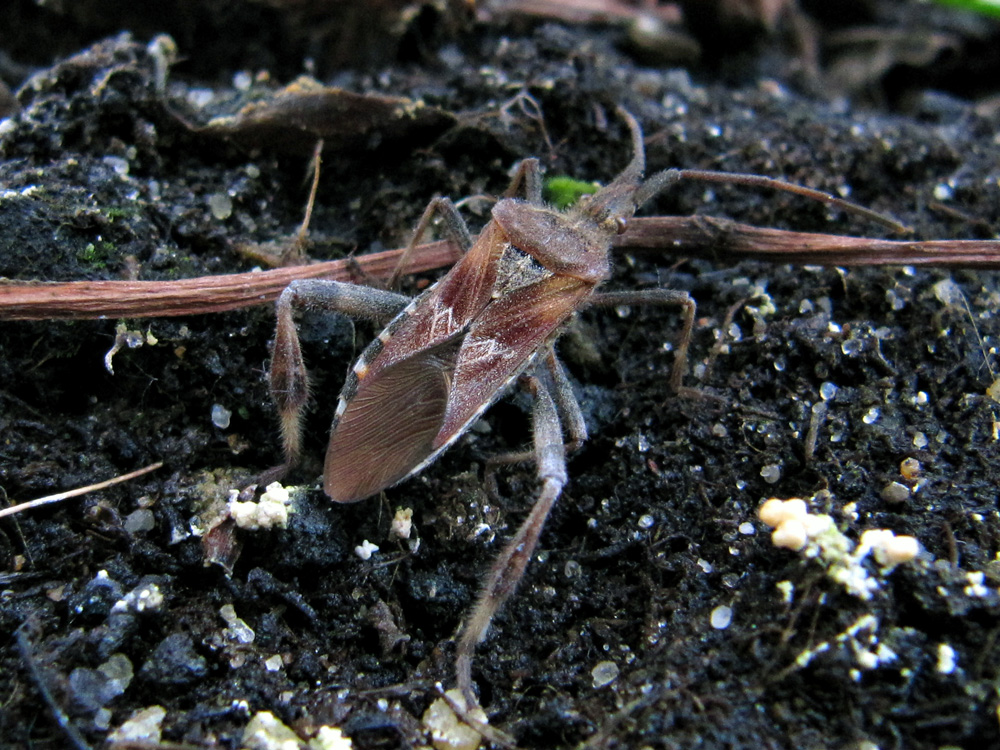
620 225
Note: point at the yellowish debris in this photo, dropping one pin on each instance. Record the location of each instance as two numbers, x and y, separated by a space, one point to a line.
267 732
142 726
402 523
267 513
816 535
330 738
448 732
910 468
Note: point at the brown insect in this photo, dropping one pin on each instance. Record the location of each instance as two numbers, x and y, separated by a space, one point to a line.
447 355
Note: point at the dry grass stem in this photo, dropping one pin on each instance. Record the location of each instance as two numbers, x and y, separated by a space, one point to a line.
79 490
688 236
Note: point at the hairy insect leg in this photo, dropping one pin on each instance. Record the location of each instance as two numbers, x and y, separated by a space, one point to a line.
455 230
570 416
508 569
670 297
289 380
527 175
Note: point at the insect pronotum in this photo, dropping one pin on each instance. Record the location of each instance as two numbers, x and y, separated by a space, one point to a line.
447 355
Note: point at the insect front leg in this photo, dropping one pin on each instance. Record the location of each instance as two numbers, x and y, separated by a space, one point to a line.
528 176
455 229
508 569
671 297
289 380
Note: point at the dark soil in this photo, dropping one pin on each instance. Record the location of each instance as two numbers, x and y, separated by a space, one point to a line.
103 177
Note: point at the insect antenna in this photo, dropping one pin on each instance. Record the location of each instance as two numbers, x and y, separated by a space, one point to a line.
616 201
619 198
651 187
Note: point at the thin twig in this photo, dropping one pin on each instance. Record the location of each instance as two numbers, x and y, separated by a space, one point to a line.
203 294
79 490
721 239
688 236
72 733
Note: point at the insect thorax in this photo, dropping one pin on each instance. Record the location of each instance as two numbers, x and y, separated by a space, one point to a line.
517 269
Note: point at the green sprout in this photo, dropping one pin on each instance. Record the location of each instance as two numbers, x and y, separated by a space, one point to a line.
96 255
986 7
562 192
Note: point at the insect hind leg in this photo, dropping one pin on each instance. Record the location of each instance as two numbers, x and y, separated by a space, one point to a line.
508 569
570 416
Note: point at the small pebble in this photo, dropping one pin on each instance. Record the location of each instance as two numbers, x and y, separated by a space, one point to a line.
910 468
221 206
221 416
722 617
895 493
140 521
604 673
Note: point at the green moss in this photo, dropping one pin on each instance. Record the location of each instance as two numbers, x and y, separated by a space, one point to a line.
986 7
562 192
122 212
96 255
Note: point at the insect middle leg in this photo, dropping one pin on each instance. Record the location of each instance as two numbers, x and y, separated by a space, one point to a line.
508 568
570 416
454 227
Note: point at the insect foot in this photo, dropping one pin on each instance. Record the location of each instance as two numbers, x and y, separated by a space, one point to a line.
447 355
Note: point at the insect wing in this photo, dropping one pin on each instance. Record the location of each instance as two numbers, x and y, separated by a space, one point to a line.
501 343
447 308
388 428
401 386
